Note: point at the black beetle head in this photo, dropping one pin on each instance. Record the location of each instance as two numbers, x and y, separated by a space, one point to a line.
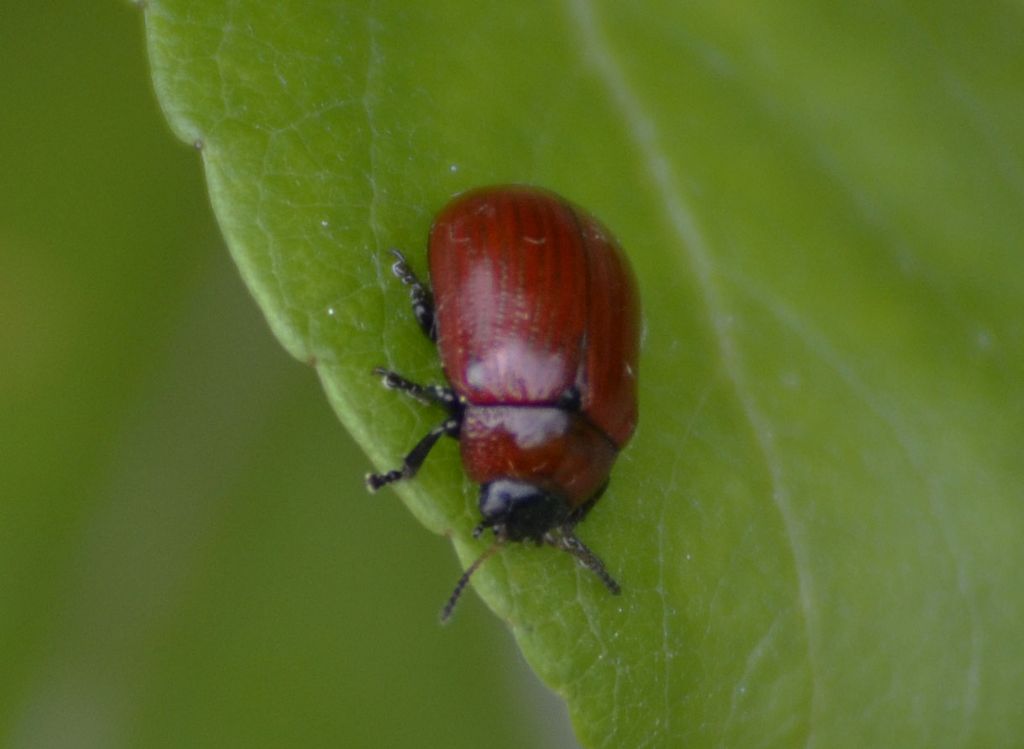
518 510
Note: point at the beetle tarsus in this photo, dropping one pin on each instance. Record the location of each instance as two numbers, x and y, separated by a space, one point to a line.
413 461
375 481
419 294
431 394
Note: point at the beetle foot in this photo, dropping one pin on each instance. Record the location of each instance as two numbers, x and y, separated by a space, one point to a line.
375 481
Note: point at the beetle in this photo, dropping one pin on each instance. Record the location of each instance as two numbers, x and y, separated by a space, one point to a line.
535 313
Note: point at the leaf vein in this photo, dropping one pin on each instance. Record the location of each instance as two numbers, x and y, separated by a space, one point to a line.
643 131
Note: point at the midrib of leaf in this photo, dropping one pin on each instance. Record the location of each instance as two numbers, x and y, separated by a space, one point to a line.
643 131
873 213
816 344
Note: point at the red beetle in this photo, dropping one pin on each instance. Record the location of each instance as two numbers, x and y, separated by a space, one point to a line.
536 316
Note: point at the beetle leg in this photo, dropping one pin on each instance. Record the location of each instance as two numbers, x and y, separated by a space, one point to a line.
422 299
567 541
432 394
416 456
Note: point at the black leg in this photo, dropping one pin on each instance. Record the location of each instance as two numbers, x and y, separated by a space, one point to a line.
430 394
422 299
416 456
570 543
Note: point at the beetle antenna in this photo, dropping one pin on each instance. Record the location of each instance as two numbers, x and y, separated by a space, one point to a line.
446 612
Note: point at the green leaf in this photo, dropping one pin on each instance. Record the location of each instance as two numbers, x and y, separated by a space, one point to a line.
818 524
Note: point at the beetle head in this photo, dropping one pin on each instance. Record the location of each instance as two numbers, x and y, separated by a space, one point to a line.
518 510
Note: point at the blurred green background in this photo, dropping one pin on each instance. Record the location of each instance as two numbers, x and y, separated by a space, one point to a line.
187 554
